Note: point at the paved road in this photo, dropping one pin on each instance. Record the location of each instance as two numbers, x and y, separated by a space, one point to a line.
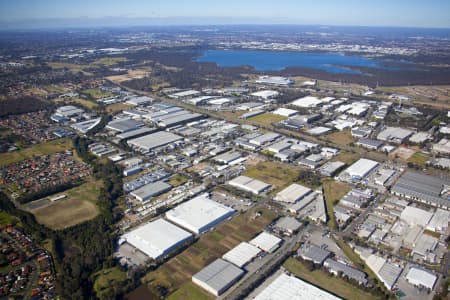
253 277
34 276
360 219
446 264
294 134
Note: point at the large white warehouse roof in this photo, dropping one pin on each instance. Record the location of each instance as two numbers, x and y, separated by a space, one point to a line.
218 276
199 214
266 242
416 216
421 277
286 287
292 193
249 184
308 101
154 140
361 168
241 254
157 239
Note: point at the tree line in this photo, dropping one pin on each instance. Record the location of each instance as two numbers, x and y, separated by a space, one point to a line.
84 249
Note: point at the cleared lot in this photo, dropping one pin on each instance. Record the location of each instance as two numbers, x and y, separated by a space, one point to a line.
79 206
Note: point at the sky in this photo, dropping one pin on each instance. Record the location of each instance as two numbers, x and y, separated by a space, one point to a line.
400 13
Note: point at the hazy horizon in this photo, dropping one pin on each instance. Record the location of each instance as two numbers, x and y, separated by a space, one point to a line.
22 14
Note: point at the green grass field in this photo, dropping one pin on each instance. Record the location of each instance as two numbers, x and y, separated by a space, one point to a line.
346 157
323 280
333 191
190 291
419 159
5 219
178 180
109 61
343 137
117 107
348 251
279 175
83 102
79 206
71 67
176 272
96 93
107 278
35 150
267 119
432 233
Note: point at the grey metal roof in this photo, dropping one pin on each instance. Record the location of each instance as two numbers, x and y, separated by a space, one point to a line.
179 119
155 140
348 271
228 156
421 186
219 274
136 132
314 253
389 273
151 189
124 125
370 142
288 223
330 167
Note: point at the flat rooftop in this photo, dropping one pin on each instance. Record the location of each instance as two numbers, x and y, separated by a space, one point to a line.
217 276
423 187
154 140
286 287
199 214
266 242
249 184
241 254
292 193
157 238
151 190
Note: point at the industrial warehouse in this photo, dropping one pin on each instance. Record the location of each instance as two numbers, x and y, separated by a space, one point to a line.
292 193
156 239
154 141
286 287
248 184
241 254
423 188
199 214
226 162
151 190
359 170
218 276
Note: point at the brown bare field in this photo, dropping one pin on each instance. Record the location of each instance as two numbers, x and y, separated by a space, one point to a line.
266 119
60 215
117 107
402 153
419 159
179 269
279 175
343 137
346 157
333 191
78 207
132 74
433 95
83 102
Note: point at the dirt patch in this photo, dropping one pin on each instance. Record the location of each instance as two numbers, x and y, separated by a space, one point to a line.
402 153
60 215
131 74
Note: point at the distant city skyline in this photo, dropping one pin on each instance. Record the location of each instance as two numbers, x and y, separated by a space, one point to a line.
51 13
